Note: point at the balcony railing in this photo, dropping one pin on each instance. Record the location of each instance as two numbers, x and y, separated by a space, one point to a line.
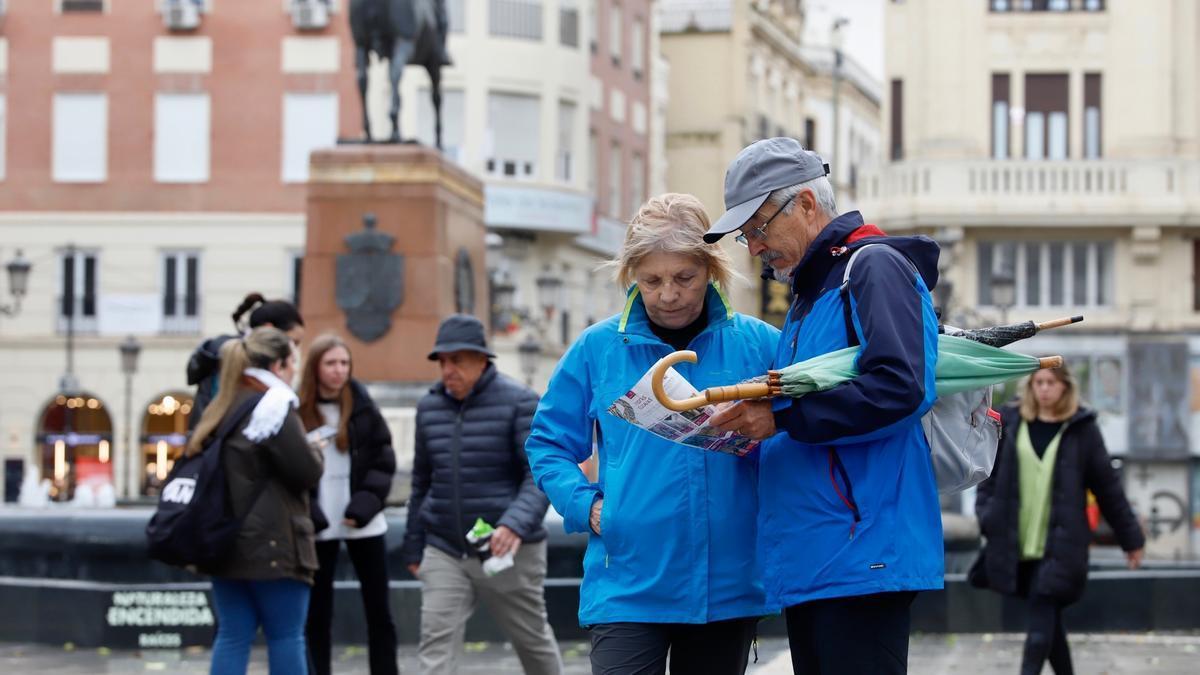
999 189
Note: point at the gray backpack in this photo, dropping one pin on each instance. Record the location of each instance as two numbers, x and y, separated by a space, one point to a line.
962 429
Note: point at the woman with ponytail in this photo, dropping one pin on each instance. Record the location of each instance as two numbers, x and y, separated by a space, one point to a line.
269 470
205 362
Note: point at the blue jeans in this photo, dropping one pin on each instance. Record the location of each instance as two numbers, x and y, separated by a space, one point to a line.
280 606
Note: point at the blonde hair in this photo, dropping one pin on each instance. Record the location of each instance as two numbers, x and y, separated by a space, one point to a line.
671 223
262 347
1067 405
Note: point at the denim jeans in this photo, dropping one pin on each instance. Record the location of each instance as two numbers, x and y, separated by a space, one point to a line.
279 606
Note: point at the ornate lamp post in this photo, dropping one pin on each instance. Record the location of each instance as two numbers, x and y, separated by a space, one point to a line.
130 350
1004 294
18 283
528 352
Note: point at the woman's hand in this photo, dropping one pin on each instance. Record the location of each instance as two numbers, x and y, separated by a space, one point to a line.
1134 558
753 419
594 519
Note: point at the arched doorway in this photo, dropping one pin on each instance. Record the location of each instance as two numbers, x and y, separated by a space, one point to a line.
74 438
163 437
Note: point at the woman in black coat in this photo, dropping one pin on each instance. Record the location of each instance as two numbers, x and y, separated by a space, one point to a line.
1032 511
343 421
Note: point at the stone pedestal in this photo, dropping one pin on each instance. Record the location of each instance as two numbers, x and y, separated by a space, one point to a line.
386 309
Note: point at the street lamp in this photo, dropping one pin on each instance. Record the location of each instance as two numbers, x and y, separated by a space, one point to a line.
528 353
130 349
503 292
1004 294
18 283
548 287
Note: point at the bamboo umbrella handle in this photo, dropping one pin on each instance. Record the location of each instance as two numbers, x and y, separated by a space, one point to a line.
733 392
1065 321
656 383
1050 362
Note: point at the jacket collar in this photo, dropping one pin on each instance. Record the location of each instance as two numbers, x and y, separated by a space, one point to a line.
635 321
827 250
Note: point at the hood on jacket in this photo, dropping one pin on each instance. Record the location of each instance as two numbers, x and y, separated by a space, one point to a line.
846 233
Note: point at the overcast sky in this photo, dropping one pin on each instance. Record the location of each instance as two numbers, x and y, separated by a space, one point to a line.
864 34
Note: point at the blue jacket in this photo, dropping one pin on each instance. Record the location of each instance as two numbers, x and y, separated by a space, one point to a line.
848 502
678 522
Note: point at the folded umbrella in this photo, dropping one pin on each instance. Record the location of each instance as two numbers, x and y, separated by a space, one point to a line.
963 364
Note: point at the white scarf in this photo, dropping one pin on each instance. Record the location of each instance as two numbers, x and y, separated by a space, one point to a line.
268 416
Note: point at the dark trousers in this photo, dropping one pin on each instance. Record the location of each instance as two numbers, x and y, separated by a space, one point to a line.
865 634
717 648
1047 638
369 557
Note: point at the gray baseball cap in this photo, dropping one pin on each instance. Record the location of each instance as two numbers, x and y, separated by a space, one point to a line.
759 169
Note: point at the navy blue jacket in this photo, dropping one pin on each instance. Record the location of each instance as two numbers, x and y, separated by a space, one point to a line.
848 501
469 462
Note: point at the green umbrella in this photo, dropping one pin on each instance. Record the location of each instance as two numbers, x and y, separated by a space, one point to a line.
962 365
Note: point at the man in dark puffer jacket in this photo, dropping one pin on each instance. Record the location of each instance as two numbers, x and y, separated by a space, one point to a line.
470 463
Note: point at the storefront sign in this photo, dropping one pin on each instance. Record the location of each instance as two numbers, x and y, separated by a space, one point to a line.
531 208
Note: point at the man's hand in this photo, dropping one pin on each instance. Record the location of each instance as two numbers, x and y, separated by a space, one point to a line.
504 541
594 519
753 419
1134 558
414 569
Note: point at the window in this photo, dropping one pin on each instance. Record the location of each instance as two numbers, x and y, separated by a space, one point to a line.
1091 116
897 120
310 121
1046 116
637 50
456 16
78 291
1093 5
80 138
181 138
810 133
514 126
1049 273
515 18
181 292
614 180
82 6
296 276
564 157
637 183
1000 93
453 109
614 34
568 23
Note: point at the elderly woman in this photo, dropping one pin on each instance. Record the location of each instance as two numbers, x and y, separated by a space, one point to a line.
669 566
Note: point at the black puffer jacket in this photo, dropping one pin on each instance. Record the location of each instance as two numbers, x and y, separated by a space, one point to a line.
1082 464
203 368
372 462
470 463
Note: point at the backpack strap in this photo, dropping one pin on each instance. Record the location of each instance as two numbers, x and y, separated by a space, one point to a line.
851 333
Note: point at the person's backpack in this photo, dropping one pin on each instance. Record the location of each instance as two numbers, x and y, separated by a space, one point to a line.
194 524
962 429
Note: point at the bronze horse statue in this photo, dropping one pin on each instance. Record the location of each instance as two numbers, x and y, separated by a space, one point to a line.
401 32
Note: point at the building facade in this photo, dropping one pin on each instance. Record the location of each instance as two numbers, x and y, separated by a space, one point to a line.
1053 147
152 169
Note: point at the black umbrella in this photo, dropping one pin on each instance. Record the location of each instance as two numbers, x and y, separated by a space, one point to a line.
999 336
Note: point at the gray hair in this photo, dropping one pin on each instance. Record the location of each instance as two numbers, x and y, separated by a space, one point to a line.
822 191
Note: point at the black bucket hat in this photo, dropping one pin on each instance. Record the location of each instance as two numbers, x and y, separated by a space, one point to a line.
460 332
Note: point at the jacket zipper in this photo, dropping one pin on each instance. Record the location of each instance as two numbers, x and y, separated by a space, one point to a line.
456 453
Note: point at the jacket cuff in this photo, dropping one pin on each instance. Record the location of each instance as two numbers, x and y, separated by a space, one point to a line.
363 507
579 511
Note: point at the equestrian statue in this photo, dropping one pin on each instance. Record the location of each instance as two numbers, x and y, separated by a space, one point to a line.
401 32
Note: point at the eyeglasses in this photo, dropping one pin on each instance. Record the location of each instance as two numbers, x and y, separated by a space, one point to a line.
760 232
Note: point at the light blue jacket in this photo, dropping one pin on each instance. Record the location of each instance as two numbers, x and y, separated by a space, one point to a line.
678 522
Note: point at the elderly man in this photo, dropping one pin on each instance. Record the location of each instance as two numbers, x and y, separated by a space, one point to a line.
470 463
849 524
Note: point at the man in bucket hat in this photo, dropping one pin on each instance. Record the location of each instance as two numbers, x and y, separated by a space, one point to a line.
849 521
469 464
